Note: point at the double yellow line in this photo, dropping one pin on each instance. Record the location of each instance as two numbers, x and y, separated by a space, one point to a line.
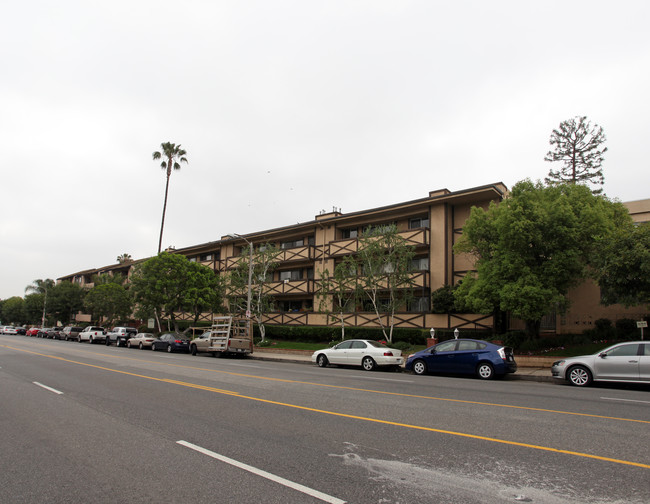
368 419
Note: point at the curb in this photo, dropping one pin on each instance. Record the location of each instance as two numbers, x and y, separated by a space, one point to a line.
298 360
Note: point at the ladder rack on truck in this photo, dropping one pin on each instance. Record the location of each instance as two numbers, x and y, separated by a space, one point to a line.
228 335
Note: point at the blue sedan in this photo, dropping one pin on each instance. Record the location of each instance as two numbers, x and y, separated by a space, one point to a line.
464 356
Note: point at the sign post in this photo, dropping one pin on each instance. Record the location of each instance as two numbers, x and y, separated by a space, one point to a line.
641 324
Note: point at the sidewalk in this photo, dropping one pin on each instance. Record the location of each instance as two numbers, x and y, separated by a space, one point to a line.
524 372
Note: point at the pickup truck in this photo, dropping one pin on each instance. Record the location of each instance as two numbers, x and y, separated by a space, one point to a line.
227 335
120 335
92 334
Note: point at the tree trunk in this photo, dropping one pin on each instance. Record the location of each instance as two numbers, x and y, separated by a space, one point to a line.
162 224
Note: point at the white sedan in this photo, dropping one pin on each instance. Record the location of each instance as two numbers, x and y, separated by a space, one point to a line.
140 340
365 353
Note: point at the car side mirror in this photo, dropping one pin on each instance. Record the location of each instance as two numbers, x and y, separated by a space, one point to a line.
602 355
433 351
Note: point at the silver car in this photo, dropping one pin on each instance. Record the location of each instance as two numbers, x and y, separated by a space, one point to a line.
624 362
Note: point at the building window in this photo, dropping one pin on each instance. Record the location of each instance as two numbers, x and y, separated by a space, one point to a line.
290 275
192 259
420 264
292 244
418 304
206 257
419 222
349 233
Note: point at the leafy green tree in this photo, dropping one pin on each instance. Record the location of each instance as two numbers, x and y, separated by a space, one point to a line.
172 155
13 310
532 247
624 266
34 308
578 146
169 284
443 300
205 291
110 302
264 262
65 300
41 286
385 280
342 286
116 278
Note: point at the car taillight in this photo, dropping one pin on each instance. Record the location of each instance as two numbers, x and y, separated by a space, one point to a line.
388 354
502 353
178 341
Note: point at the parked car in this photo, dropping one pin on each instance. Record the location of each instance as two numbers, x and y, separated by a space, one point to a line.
21 330
120 335
624 362
140 340
33 331
464 356
92 334
172 342
42 332
70 333
365 353
53 333
9 330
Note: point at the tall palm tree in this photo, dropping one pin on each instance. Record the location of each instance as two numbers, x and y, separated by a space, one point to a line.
124 258
41 287
172 155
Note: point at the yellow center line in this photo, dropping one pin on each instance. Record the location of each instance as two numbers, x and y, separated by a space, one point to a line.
346 415
357 389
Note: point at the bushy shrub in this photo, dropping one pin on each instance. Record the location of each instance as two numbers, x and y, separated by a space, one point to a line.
514 339
401 345
626 328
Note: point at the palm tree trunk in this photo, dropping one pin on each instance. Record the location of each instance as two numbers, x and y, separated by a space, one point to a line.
162 224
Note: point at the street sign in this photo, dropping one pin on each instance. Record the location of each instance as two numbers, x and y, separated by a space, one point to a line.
641 323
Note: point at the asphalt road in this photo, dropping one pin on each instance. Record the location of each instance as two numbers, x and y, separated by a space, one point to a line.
90 423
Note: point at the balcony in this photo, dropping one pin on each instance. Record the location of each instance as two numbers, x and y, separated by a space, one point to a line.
414 237
288 287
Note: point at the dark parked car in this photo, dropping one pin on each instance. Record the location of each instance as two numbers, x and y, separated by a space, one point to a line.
464 356
21 330
171 342
53 333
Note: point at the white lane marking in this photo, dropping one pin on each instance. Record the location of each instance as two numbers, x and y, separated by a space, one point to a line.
48 388
625 400
259 472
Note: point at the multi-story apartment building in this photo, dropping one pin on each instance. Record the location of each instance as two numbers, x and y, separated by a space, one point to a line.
432 225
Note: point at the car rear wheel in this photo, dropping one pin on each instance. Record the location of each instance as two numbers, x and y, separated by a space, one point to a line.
153 347
419 367
321 360
368 364
140 346
485 371
579 376
169 349
193 349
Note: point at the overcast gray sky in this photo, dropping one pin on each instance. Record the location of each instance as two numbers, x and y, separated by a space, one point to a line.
289 107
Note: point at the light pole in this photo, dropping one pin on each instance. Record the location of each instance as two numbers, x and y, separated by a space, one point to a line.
250 271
